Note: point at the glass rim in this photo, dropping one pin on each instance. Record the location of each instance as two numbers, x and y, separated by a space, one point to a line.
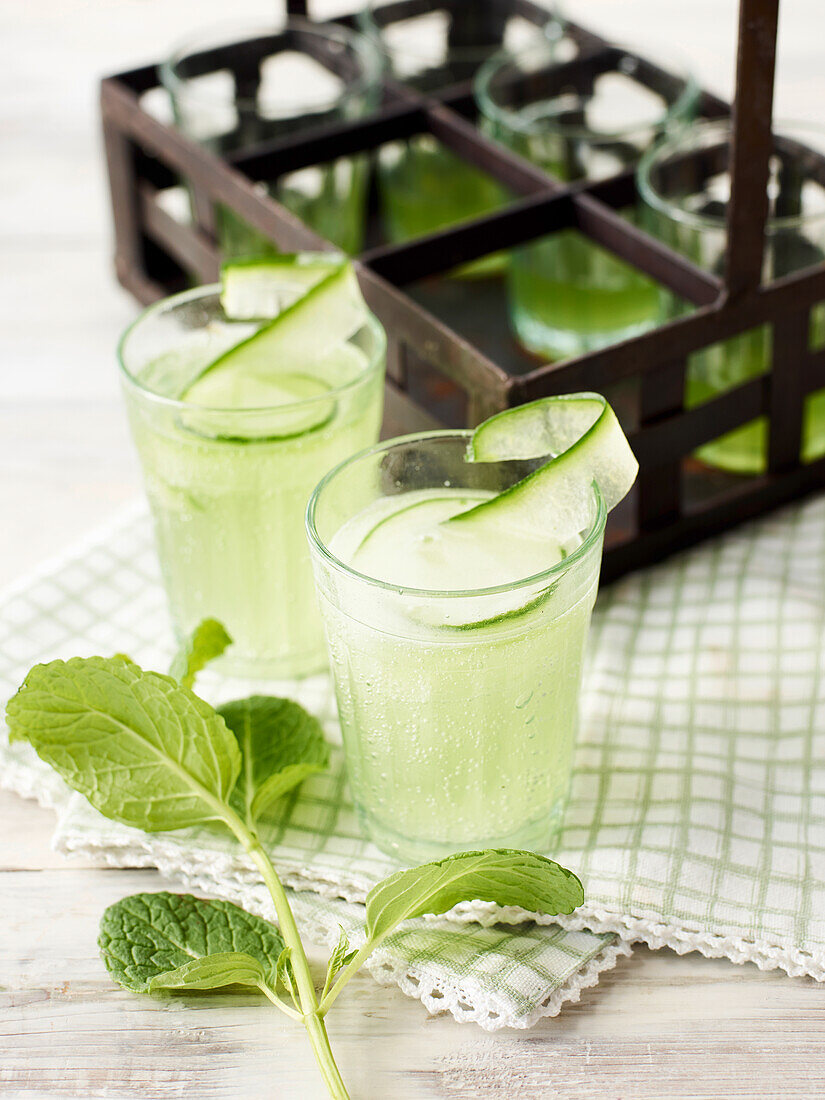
372 29
686 139
180 86
319 546
512 119
213 290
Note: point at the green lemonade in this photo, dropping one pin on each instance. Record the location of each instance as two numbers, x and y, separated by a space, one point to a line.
459 712
329 198
228 490
426 187
730 363
569 296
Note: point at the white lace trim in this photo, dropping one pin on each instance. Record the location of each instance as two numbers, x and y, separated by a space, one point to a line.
654 932
47 788
439 996
416 981
129 851
631 930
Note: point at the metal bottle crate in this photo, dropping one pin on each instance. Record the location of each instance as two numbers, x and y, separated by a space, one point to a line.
462 365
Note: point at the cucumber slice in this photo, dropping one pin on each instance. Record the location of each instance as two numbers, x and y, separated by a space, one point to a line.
406 541
281 363
396 519
586 445
407 546
262 288
503 618
268 407
326 315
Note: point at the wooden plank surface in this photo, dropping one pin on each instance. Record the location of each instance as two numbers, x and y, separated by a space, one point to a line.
658 1026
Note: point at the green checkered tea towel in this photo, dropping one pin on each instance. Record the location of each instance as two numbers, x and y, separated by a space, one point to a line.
697 815
104 597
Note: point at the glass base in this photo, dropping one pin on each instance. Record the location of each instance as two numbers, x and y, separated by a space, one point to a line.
540 835
555 344
745 449
293 667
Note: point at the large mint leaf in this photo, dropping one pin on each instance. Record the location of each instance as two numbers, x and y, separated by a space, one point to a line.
281 744
160 941
206 642
144 750
500 875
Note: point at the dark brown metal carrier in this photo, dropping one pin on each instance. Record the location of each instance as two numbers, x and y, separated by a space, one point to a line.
463 365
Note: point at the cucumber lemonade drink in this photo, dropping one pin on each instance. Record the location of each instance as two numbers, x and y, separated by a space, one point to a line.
457 596
239 402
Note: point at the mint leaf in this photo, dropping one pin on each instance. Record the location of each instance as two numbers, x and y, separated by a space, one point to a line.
500 875
151 942
143 750
339 957
281 744
206 642
286 975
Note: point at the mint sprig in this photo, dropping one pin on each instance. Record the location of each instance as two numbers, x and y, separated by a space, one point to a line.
206 642
281 745
147 752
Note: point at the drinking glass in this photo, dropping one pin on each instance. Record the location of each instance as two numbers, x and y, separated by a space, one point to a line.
228 487
279 88
424 186
684 185
567 295
459 709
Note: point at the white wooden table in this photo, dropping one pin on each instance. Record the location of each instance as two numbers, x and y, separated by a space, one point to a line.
657 1026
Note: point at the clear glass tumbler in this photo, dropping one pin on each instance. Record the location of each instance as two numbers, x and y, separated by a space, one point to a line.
459 708
568 295
684 185
228 487
424 186
281 89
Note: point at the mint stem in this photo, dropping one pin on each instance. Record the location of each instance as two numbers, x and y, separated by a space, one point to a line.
280 1003
300 964
286 923
323 1055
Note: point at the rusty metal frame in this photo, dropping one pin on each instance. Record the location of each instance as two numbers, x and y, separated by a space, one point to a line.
676 502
